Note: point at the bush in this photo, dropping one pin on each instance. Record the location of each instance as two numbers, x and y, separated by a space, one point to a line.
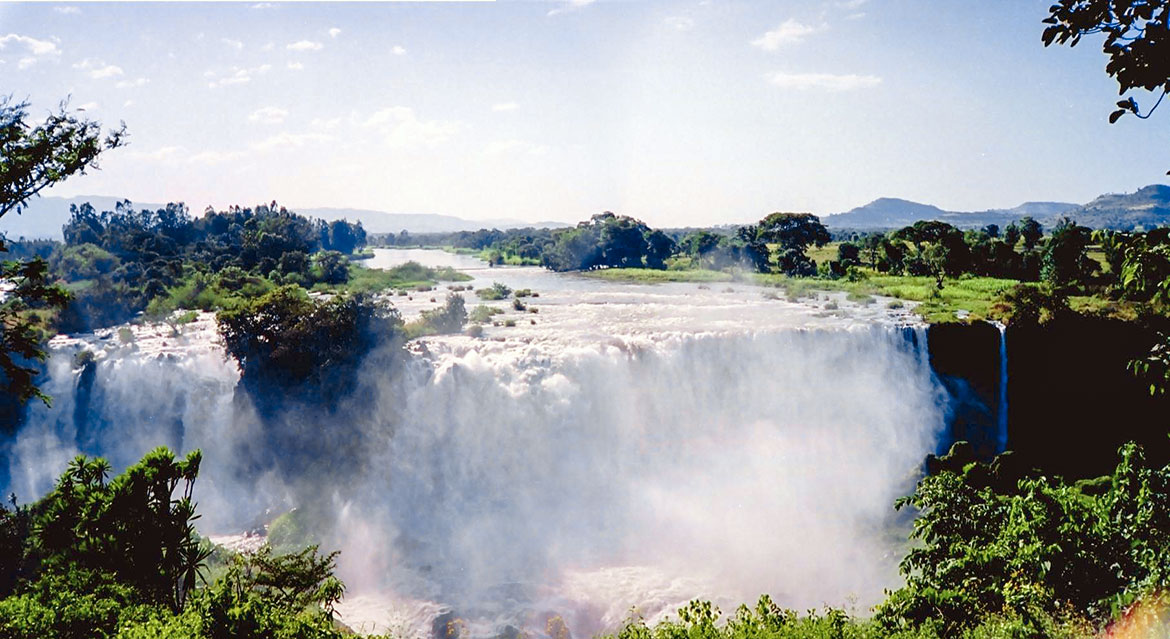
444 320
496 291
483 313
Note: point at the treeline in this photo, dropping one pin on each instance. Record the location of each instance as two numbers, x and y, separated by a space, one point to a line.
119 263
607 240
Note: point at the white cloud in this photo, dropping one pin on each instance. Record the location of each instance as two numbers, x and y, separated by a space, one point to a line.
570 5
268 115
263 5
398 50
331 123
161 154
127 104
305 45
97 69
851 4
88 106
211 158
296 66
35 49
505 106
513 146
402 129
67 10
236 75
790 32
334 32
826 81
128 84
285 139
680 23
235 44
268 47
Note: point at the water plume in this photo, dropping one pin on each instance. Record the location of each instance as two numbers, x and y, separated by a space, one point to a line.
712 445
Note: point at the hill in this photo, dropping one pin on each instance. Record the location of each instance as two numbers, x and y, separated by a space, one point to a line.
1145 209
892 213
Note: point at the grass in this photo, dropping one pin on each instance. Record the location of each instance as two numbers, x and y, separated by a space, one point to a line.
823 254
410 275
971 294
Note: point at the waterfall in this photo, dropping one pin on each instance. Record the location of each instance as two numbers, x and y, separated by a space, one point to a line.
1001 413
504 481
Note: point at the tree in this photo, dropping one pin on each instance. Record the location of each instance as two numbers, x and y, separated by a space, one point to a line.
1136 42
1011 235
1031 232
793 233
33 158
1065 260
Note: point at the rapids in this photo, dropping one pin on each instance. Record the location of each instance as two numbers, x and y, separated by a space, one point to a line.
621 451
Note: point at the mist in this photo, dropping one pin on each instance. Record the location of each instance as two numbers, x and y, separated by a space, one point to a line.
507 482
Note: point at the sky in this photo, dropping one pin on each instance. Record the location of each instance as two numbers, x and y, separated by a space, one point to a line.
681 113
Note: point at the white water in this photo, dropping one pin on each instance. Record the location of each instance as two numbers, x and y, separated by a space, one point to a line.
636 447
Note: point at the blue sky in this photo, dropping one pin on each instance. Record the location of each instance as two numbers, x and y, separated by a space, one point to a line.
679 113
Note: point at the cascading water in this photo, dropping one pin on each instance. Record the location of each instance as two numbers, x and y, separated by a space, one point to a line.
635 453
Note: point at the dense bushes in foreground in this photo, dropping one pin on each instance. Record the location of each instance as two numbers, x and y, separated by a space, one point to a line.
999 553
102 558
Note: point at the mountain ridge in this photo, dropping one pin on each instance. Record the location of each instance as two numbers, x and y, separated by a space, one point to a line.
1146 208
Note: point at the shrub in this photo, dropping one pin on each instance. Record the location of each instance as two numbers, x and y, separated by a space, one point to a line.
496 291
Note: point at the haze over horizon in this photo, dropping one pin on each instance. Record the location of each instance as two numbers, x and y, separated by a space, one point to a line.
678 113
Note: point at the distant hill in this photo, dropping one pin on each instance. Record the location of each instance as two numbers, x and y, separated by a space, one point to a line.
45 216
1149 207
382 222
891 213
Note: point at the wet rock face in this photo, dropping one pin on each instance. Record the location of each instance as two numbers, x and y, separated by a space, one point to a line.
965 358
1073 401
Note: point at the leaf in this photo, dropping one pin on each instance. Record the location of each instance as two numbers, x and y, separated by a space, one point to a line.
1113 117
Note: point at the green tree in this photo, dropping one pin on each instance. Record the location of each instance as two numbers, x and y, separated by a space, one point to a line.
32 158
1136 43
1011 235
1065 260
1030 232
792 233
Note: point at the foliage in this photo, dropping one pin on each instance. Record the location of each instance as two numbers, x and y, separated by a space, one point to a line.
991 539
103 557
1029 304
483 313
124 261
496 291
766 620
448 318
33 158
607 240
286 338
1135 42
27 288
1064 262
129 527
